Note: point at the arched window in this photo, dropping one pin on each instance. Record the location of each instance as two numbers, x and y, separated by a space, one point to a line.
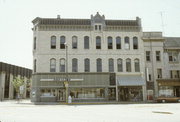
128 65
86 42
86 65
62 41
35 61
99 65
74 42
34 43
111 65
74 65
118 42
137 65
62 65
126 44
98 42
110 43
135 43
53 42
53 65
119 65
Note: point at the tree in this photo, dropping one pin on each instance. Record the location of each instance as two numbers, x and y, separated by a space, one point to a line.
17 82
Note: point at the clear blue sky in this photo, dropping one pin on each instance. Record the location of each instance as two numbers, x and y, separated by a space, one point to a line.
16 16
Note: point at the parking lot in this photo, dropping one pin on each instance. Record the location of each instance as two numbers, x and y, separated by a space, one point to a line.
25 111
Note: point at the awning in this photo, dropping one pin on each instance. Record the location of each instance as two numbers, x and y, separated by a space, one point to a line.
130 80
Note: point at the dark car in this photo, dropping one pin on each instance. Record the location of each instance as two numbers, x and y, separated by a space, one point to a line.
168 99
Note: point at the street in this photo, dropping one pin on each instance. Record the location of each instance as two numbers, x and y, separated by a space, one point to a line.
11 111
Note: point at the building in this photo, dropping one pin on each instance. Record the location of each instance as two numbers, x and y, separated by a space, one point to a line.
7 73
90 59
162 64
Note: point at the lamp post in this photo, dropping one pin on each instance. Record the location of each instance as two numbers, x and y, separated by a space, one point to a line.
66 83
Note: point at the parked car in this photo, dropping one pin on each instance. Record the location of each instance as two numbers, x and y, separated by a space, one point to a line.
168 99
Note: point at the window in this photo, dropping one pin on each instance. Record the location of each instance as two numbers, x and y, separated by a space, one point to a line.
127 45
74 42
53 42
86 65
53 65
148 56
118 42
175 74
149 77
99 65
159 73
110 44
135 43
120 65
74 65
158 57
86 42
96 27
173 56
34 43
128 65
99 27
111 65
137 65
62 65
62 41
98 42
35 61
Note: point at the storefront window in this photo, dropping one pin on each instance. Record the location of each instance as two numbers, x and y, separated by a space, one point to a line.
83 93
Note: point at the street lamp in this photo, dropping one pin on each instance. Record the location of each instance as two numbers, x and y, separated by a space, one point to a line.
66 83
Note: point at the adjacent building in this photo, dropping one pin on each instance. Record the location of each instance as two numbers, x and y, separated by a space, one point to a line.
97 59
7 73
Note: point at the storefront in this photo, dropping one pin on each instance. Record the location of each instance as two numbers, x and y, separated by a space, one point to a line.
131 88
169 87
51 87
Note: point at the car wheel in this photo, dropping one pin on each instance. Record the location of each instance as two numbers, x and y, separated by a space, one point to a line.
163 101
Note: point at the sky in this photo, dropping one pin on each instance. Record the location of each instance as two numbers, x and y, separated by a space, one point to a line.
16 37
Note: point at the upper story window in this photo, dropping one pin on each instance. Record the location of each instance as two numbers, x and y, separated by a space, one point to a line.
62 41
173 56
98 27
118 42
86 65
158 56
127 44
74 65
137 65
35 61
34 43
128 65
119 65
86 42
148 56
110 43
175 74
111 65
53 42
62 65
135 43
98 42
99 65
159 73
52 65
74 42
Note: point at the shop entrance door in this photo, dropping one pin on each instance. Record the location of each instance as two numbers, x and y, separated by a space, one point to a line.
124 94
60 94
177 91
